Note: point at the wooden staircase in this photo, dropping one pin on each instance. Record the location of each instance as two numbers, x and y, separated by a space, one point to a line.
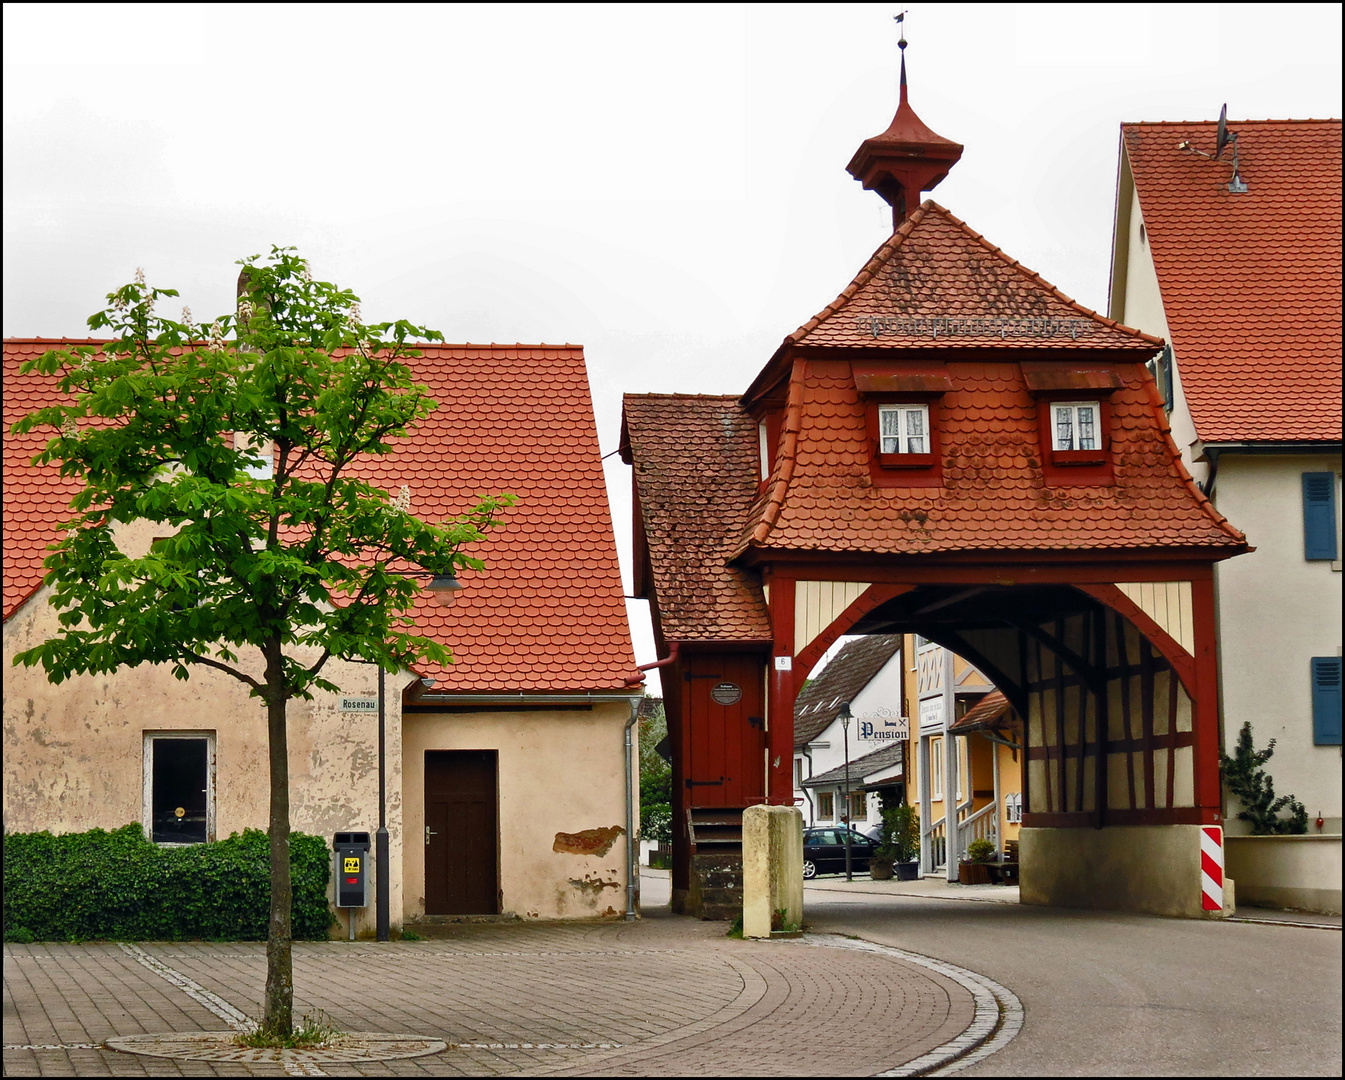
716 885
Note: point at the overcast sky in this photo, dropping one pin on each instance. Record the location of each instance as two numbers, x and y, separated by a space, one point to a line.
663 185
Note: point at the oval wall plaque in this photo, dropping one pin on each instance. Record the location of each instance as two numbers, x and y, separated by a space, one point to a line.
726 693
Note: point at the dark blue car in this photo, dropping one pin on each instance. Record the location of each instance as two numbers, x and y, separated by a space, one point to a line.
824 851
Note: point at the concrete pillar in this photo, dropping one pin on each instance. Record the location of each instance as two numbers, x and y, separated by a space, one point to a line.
772 870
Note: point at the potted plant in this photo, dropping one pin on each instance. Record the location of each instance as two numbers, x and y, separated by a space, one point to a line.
901 827
884 856
974 870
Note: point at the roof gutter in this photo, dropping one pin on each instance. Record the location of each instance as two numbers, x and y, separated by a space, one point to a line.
587 698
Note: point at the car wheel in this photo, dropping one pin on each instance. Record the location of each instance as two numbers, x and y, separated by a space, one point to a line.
809 869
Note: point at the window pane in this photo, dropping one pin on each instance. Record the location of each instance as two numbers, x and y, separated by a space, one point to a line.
1064 428
178 807
915 431
1087 427
889 421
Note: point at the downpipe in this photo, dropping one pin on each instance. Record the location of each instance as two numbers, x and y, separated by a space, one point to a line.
632 861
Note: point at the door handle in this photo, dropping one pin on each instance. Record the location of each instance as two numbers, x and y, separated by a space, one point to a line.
428 834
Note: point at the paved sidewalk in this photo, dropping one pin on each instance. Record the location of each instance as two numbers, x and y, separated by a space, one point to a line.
662 996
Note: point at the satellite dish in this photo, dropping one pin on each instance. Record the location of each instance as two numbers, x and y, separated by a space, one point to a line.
1222 139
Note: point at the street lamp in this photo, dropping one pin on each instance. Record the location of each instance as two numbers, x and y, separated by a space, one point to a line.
845 716
444 588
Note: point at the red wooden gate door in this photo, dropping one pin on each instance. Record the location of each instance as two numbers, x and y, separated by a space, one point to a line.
727 745
461 847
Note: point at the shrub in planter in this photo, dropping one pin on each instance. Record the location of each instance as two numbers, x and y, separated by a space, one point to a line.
898 844
975 871
118 885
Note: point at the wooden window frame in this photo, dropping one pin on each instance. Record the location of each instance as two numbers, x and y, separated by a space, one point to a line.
904 470
1084 467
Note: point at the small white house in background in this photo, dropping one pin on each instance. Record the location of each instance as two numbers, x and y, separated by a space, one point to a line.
1231 250
866 673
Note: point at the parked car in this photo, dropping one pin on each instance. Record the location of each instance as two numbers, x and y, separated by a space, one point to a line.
824 851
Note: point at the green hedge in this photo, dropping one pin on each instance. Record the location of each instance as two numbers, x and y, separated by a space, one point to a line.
119 886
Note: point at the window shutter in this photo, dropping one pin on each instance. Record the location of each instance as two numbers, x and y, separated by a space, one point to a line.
1326 700
1319 516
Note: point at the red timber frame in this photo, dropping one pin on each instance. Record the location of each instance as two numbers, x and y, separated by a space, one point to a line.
1122 720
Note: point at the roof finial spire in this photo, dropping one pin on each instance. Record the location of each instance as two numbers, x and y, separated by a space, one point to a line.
900 20
907 158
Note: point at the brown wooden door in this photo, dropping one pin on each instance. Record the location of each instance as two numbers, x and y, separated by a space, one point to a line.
727 731
461 840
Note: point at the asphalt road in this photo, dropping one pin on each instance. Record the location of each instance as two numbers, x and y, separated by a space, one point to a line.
1109 994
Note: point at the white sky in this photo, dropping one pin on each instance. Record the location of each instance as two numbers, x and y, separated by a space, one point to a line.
663 185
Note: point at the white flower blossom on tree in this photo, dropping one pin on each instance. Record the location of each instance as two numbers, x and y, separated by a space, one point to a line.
186 314
216 335
244 310
140 275
403 500
355 312
69 427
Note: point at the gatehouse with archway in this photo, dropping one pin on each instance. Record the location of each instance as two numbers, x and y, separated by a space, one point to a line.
952 448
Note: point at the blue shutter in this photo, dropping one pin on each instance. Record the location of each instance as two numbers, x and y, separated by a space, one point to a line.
1319 515
1326 700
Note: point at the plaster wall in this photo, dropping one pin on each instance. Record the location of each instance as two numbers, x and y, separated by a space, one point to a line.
1150 868
1301 872
560 772
1141 306
74 753
1276 611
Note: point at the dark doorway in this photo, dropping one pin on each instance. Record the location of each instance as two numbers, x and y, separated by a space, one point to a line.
461 831
181 789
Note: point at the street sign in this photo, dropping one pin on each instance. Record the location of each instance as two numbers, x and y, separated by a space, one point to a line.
360 704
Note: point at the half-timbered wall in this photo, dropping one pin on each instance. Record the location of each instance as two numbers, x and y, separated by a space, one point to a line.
1094 669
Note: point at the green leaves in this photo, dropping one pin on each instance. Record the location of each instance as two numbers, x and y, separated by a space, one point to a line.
117 885
243 460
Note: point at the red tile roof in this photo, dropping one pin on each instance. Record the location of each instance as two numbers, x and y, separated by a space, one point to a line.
846 674
1251 282
994 496
695 463
547 613
938 284
991 712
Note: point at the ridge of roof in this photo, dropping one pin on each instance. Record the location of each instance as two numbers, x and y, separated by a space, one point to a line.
928 210
1240 123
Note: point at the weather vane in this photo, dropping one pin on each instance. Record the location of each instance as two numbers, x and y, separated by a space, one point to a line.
900 20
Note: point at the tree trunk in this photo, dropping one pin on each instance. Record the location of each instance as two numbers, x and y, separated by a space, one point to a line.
278 1015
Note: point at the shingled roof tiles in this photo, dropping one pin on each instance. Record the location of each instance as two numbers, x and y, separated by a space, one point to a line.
938 284
1251 281
695 463
991 711
846 674
547 613
994 496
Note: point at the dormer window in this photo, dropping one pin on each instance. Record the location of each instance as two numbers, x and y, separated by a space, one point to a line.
903 429
901 417
1074 425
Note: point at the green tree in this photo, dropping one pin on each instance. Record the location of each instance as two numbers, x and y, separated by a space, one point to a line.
268 572
655 776
1244 777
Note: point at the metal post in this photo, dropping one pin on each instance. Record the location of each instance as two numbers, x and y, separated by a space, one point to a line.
845 729
381 842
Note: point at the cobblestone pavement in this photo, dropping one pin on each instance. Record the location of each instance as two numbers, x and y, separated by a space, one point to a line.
662 996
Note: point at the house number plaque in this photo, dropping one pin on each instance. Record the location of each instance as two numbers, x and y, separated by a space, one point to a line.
726 693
